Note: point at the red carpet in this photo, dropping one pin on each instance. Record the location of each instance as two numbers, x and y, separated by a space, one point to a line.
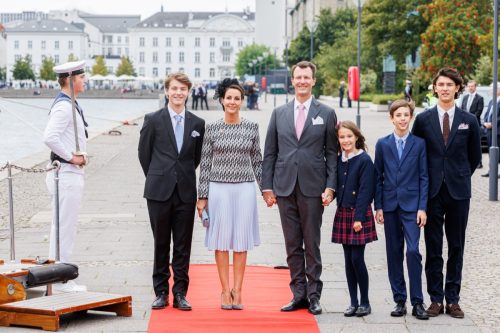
265 290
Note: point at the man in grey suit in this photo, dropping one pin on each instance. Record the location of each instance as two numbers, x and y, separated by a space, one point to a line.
299 174
169 152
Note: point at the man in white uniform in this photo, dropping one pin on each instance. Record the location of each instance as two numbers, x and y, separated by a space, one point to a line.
59 136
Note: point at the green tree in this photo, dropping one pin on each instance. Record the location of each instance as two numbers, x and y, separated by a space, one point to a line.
3 73
249 53
47 69
454 34
72 57
125 67
394 26
484 71
100 66
22 69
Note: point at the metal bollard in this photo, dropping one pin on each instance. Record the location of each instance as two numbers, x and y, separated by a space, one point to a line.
11 213
57 164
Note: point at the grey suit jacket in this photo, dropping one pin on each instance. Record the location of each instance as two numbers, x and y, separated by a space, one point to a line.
312 160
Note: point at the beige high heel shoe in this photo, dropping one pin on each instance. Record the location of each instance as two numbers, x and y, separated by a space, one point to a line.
225 306
236 306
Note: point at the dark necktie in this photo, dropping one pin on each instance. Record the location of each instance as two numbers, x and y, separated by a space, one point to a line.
446 128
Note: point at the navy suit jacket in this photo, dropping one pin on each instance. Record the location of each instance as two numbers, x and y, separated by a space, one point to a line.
455 162
401 182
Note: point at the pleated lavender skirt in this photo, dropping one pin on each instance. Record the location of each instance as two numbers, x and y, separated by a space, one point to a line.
232 208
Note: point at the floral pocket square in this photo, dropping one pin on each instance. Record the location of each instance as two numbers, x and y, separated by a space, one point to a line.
195 134
463 126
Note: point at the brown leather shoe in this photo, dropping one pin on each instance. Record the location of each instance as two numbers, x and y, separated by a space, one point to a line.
454 310
435 309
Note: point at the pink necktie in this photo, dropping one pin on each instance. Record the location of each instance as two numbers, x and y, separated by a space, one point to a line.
301 120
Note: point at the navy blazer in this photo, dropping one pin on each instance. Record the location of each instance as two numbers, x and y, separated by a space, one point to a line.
401 182
356 184
455 162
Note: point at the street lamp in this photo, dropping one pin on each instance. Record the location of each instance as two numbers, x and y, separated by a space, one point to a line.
260 58
250 64
358 115
265 55
254 62
312 26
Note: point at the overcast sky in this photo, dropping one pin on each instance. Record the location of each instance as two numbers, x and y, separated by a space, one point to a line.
145 8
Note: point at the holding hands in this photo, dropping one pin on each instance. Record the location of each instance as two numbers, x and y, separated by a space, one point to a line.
269 198
379 216
327 197
200 205
357 226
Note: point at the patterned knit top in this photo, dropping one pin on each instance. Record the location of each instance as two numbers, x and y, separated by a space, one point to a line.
230 154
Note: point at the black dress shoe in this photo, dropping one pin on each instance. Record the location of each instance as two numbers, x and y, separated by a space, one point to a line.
295 305
399 310
419 311
160 302
350 311
363 311
181 303
315 307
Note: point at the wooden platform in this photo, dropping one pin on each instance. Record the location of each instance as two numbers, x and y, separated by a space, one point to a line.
44 312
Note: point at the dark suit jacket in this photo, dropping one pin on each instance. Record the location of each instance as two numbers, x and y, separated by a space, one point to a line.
456 162
489 131
163 166
476 107
312 160
401 182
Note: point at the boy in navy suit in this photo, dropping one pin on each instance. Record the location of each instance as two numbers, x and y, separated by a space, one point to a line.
453 154
400 204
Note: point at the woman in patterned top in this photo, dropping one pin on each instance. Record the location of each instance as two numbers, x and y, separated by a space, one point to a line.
231 162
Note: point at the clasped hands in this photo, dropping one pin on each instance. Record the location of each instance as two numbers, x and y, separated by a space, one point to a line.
326 197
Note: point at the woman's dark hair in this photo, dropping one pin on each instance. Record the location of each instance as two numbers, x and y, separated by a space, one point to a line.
224 85
360 142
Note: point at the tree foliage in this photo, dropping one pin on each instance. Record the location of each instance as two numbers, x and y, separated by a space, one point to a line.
250 53
22 69
125 67
3 73
72 57
454 34
484 71
394 26
100 66
47 69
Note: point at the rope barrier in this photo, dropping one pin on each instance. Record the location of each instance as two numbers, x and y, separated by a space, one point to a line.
29 170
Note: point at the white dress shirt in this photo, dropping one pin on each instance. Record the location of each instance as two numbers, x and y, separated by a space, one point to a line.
451 115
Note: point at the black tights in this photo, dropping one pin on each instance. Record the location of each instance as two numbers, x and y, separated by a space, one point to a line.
356 273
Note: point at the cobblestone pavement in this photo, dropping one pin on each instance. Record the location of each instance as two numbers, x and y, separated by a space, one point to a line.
114 242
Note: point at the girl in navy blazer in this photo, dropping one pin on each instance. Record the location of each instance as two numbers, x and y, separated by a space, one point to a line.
354 224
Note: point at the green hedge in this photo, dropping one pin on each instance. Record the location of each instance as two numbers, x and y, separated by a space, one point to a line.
385 98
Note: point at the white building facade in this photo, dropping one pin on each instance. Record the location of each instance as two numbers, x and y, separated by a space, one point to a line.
43 39
270 18
203 45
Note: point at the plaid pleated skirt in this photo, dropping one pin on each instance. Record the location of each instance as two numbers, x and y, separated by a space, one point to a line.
343 232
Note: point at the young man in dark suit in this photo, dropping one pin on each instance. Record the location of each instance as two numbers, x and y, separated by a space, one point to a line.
169 152
453 154
401 203
299 173
473 103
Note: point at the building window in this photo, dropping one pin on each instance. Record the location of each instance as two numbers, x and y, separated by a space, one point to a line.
119 51
212 57
56 45
44 44
110 51
141 57
70 45
226 56
56 58
226 42
155 71
181 56
181 69
155 58
168 42
142 72
181 41
30 44
197 57
126 51
212 72
240 42
110 39
126 39
16 44
110 69
17 57
141 41
168 70
168 57
119 39
212 41
196 72
155 43
197 42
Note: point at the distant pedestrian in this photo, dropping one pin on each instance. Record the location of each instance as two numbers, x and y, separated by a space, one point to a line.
408 91
474 103
341 92
203 92
194 98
